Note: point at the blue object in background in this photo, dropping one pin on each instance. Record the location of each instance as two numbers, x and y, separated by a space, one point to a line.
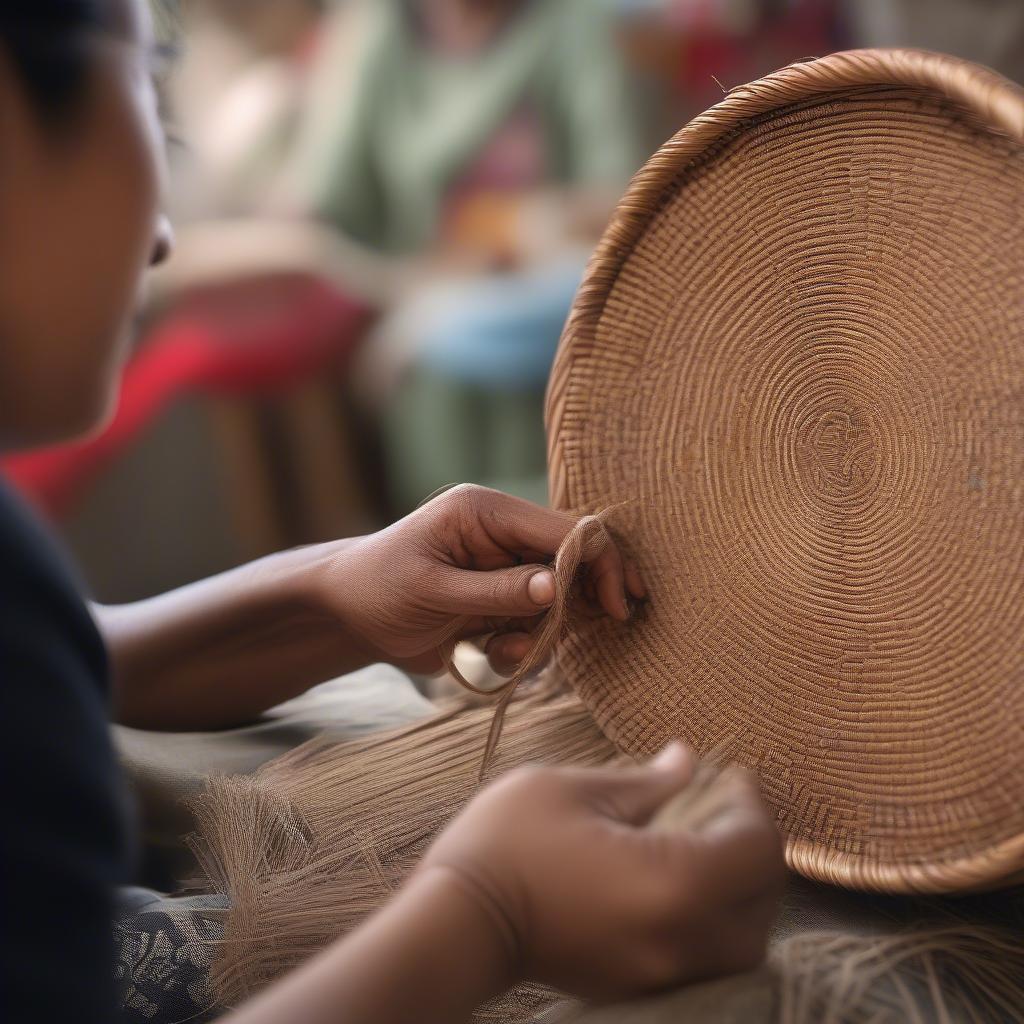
504 329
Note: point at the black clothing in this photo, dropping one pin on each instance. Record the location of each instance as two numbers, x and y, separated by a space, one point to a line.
65 833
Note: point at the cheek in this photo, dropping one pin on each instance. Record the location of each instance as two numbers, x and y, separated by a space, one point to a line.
75 245
105 214
127 182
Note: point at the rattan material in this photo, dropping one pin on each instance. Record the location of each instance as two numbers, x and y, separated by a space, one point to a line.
798 355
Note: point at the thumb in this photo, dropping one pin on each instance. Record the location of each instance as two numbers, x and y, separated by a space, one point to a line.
519 592
634 795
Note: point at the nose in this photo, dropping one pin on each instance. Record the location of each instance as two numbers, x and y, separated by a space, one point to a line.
163 242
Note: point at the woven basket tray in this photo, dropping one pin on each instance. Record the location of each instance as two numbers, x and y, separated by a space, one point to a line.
797 359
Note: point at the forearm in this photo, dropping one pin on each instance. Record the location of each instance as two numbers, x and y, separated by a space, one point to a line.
429 956
220 651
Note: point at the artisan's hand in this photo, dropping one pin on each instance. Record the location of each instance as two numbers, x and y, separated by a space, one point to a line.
556 875
588 897
469 552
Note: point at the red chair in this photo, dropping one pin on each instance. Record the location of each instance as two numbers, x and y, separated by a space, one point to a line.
256 337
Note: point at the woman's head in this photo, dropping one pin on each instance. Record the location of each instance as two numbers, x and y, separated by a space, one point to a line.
82 153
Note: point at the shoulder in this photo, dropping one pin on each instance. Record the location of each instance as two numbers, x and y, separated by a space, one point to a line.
51 650
37 577
70 845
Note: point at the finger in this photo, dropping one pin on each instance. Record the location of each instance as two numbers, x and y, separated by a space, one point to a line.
506 651
585 609
514 524
735 797
608 574
735 939
519 526
633 795
532 556
516 592
712 794
634 582
479 630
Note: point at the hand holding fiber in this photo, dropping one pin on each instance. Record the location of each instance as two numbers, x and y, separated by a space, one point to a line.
589 898
470 562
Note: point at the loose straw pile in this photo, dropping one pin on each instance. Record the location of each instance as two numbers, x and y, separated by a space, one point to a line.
952 974
319 838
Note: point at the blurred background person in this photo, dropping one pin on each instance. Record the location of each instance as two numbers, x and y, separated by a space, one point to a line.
388 203
481 144
240 91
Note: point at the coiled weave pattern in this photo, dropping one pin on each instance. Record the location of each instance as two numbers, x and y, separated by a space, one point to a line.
797 362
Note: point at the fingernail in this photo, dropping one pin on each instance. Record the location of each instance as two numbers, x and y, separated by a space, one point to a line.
541 587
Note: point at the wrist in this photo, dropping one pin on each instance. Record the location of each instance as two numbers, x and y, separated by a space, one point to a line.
307 577
470 921
310 589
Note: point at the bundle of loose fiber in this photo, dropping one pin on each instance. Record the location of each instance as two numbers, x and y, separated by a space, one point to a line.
953 974
318 839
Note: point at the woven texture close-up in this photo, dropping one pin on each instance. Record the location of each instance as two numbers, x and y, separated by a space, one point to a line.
795 374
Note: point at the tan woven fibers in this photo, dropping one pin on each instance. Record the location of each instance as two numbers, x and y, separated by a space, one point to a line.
798 357
954 973
319 838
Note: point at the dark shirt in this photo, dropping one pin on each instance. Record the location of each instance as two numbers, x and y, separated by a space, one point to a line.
64 835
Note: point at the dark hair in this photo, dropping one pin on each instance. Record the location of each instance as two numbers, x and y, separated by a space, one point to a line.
43 39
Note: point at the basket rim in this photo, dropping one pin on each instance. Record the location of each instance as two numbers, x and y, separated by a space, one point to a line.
995 867
994 103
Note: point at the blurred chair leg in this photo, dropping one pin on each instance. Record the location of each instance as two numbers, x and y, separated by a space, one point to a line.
249 477
329 495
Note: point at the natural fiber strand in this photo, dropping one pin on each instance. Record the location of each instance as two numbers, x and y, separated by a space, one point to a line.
954 974
583 542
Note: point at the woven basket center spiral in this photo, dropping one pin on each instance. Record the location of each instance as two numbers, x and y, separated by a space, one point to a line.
807 381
